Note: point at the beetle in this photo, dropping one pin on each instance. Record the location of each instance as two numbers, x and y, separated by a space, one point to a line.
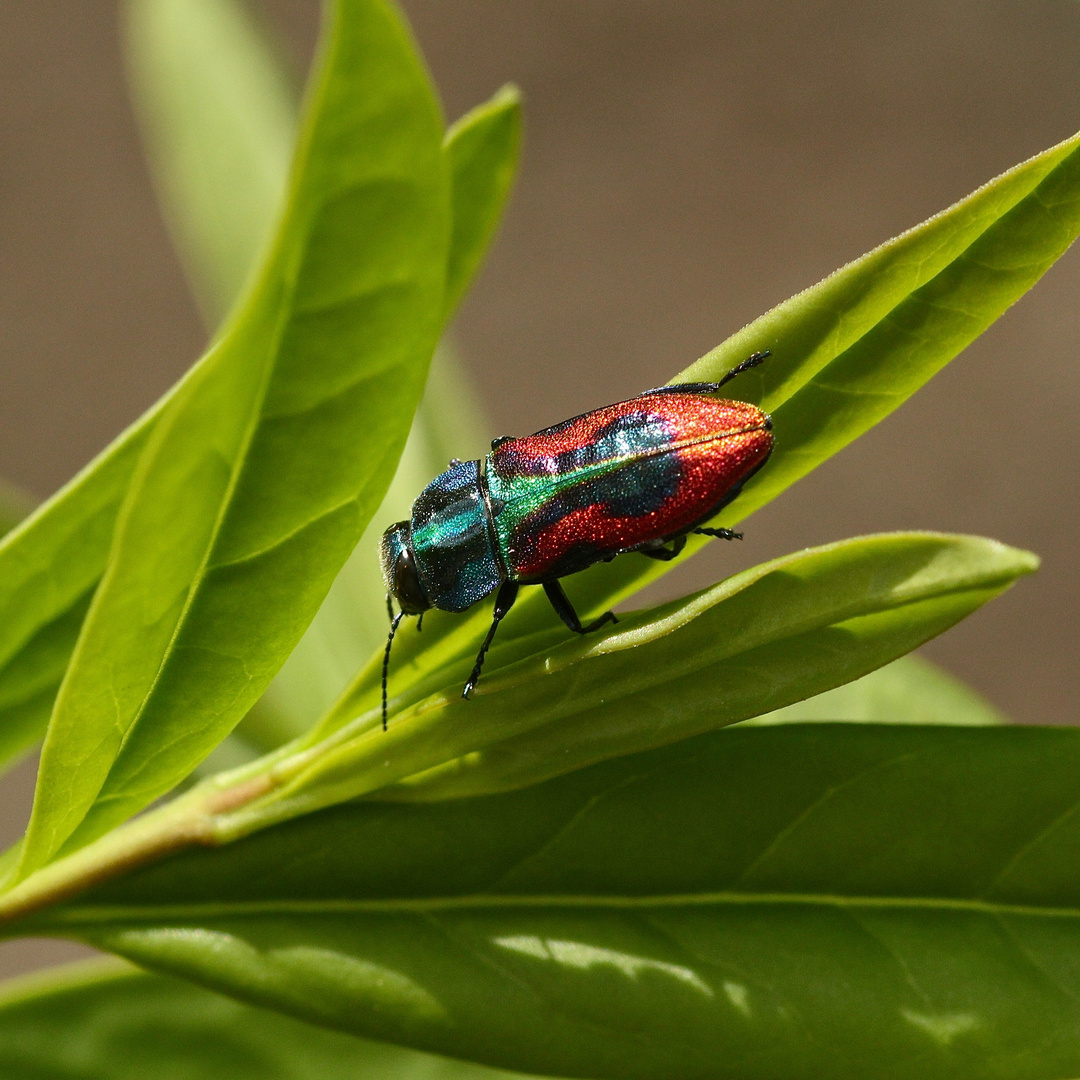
637 476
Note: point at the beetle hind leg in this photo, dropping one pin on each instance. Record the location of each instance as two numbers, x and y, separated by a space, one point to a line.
712 387
565 610
722 534
504 601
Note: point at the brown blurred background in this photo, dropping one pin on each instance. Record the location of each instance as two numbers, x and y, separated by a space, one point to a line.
688 164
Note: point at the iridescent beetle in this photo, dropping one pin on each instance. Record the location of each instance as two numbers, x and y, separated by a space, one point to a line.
635 476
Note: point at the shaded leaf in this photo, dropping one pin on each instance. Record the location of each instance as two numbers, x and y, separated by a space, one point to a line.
261 474
802 901
910 690
219 119
109 1021
15 505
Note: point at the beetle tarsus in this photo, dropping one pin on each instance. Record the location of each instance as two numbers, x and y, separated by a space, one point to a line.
722 534
565 610
750 362
709 387
496 443
504 601
395 622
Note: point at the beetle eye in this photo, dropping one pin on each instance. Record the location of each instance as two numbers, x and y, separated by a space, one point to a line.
399 569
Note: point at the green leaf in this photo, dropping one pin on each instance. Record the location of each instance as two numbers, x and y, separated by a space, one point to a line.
110 1021
49 565
808 901
482 151
483 148
15 506
351 623
261 475
760 640
219 119
910 690
845 353
30 681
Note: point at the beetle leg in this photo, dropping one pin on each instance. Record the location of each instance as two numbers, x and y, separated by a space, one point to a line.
504 601
722 534
395 622
565 610
496 443
665 554
712 387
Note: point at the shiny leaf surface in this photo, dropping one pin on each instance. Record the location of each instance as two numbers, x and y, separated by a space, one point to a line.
802 901
109 1021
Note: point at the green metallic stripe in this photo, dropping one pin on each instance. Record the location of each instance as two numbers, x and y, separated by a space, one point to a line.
494 539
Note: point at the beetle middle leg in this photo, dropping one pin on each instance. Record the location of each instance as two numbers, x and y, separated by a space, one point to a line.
565 610
504 601
664 554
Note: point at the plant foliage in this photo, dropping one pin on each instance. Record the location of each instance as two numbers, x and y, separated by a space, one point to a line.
585 870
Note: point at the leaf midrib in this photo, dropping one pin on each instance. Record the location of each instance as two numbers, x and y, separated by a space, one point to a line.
158 914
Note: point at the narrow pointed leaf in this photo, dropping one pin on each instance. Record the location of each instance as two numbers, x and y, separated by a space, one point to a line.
910 690
219 119
845 353
483 148
763 639
828 902
111 1021
260 476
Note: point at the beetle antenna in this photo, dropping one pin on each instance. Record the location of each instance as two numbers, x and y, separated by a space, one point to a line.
746 365
394 623
390 607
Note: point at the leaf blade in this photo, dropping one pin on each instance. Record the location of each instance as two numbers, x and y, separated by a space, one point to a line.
802 900
230 469
763 639
219 119
830 344
110 1020
910 690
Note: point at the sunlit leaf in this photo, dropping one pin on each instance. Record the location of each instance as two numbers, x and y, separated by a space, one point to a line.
262 472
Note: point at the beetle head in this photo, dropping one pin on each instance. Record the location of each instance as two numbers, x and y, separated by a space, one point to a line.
399 569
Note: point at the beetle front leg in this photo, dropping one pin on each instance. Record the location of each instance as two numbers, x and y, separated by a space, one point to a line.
504 601
722 534
565 610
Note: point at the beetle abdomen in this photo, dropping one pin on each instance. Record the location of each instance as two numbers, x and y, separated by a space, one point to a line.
614 479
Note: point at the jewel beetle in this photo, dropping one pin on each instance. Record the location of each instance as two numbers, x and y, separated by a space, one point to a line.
637 476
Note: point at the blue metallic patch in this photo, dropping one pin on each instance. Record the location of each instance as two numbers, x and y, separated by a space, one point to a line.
451 540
